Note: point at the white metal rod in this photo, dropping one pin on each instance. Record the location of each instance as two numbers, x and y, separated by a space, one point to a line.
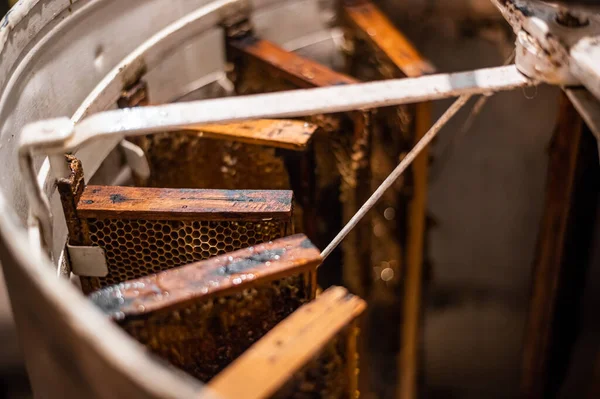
145 120
400 169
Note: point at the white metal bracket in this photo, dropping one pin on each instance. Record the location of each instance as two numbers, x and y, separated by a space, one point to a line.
88 261
550 42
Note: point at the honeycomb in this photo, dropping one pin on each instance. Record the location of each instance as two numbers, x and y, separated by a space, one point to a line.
137 248
211 163
332 374
215 164
204 337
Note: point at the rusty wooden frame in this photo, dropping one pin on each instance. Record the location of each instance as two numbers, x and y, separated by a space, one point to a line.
164 310
289 348
261 66
194 223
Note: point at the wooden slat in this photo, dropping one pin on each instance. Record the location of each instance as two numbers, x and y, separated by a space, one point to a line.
382 34
218 276
271 362
301 72
105 202
408 363
288 134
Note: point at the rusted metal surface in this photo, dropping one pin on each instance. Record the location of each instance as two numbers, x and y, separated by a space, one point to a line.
200 317
342 149
312 353
561 255
134 96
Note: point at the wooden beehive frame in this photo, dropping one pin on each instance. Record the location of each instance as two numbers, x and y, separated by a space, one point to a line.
395 56
247 289
144 230
282 147
261 66
289 348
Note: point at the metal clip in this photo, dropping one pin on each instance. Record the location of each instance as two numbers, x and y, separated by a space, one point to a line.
88 261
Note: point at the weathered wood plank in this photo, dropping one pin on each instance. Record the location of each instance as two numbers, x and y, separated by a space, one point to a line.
276 359
383 35
106 202
301 72
218 276
288 134
202 316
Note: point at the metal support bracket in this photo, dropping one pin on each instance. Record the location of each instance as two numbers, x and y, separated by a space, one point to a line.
88 261
547 41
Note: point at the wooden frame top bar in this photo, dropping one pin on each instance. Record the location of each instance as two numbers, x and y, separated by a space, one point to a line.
288 134
288 347
302 72
220 275
115 202
381 33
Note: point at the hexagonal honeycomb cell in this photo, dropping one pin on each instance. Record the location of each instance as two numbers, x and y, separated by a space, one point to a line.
136 248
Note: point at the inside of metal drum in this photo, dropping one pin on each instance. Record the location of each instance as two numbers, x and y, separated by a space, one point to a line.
473 305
